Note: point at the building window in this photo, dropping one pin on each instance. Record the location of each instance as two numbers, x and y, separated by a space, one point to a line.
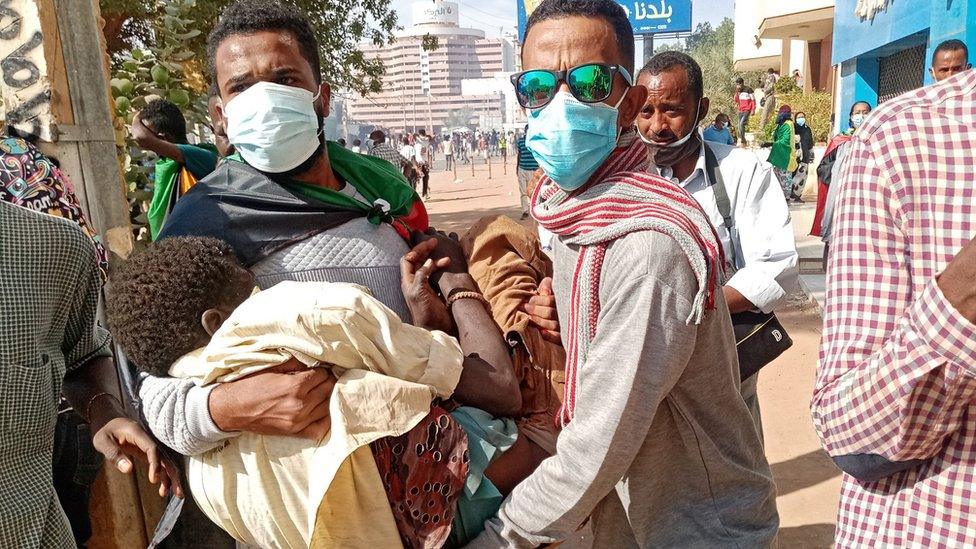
901 72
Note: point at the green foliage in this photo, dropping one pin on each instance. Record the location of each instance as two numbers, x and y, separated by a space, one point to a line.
164 68
817 106
340 25
785 85
712 49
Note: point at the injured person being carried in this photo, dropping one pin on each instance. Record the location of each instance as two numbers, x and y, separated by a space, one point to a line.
423 442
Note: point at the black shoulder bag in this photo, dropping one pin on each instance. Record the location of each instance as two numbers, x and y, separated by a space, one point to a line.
759 336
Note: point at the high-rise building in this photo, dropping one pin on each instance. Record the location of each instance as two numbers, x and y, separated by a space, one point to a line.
422 89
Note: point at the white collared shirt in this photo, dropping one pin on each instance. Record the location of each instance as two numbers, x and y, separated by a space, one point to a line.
765 248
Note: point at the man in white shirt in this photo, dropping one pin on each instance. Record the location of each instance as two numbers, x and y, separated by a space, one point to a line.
760 247
422 156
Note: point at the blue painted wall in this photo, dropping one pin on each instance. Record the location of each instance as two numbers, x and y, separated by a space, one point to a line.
858 44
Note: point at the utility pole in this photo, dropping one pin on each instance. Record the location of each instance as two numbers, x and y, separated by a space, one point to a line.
648 40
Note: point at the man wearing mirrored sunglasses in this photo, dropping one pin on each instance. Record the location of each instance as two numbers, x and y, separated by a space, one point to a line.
753 223
657 448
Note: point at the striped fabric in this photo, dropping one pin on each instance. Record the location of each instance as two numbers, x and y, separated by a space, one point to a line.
525 159
897 375
622 199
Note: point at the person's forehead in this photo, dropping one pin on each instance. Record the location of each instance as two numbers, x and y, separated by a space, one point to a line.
671 83
558 44
259 53
951 56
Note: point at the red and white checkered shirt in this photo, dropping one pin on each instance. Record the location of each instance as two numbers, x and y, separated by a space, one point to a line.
897 372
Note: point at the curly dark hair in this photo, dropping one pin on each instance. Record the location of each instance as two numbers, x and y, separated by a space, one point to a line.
608 10
670 59
157 297
166 118
253 16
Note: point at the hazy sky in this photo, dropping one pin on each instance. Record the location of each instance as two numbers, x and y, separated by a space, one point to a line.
491 15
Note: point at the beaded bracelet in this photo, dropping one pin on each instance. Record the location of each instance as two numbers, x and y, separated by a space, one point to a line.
467 295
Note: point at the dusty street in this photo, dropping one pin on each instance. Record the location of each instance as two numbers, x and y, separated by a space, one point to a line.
807 481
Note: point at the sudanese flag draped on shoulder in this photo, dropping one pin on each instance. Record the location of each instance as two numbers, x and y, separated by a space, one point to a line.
257 215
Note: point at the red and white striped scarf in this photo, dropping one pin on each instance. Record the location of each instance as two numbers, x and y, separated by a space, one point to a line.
622 198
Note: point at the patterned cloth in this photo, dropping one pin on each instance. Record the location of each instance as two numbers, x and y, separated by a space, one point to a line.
30 179
424 471
49 288
897 372
622 198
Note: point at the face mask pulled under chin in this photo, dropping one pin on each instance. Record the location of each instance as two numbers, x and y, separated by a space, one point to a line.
672 153
274 128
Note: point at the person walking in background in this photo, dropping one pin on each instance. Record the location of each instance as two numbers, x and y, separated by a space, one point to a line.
949 59
503 147
161 129
525 166
798 78
768 102
828 184
357 146
422 161
448 153
783 153
894 398
718 132
745 102
382 149
805 154
409 151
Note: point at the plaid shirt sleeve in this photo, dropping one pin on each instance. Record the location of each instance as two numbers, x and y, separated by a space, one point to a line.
897 372
83 338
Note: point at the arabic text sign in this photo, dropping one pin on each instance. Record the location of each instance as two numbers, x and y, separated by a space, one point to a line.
646 17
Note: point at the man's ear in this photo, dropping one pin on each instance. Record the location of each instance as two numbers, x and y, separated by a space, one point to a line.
705 104
211 320
631 106
932 72
325 99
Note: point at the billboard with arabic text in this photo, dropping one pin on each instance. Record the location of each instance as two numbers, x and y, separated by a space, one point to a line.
650 17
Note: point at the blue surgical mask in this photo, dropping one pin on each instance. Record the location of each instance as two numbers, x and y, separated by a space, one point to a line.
274 127
801 121
571 139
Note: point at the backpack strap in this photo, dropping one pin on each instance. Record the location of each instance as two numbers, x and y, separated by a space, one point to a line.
718 187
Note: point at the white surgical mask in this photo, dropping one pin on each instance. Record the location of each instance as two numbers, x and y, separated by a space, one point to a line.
857 120
274 127
669 154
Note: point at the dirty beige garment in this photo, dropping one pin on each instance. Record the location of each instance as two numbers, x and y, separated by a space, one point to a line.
507 263
261 488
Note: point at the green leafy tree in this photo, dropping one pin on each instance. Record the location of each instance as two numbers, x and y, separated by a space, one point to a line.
163 68
340 25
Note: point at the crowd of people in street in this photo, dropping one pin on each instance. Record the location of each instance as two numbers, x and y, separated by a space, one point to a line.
332 370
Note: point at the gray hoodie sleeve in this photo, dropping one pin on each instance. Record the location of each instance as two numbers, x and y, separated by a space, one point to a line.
641 348
178 413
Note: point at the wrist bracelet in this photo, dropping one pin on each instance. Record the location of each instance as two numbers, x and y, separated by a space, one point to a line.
87 412
467 295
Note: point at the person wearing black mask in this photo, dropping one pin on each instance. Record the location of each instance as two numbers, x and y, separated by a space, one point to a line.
752 222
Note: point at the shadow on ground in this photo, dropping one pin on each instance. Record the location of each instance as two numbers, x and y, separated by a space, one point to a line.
808 536
460 222
803 471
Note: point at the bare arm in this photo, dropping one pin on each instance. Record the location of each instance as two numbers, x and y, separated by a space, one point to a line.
147 140
488 379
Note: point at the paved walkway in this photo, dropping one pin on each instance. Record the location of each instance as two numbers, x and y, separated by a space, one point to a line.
807 482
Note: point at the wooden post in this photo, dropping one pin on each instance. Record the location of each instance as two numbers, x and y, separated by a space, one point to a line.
488 160
454 161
